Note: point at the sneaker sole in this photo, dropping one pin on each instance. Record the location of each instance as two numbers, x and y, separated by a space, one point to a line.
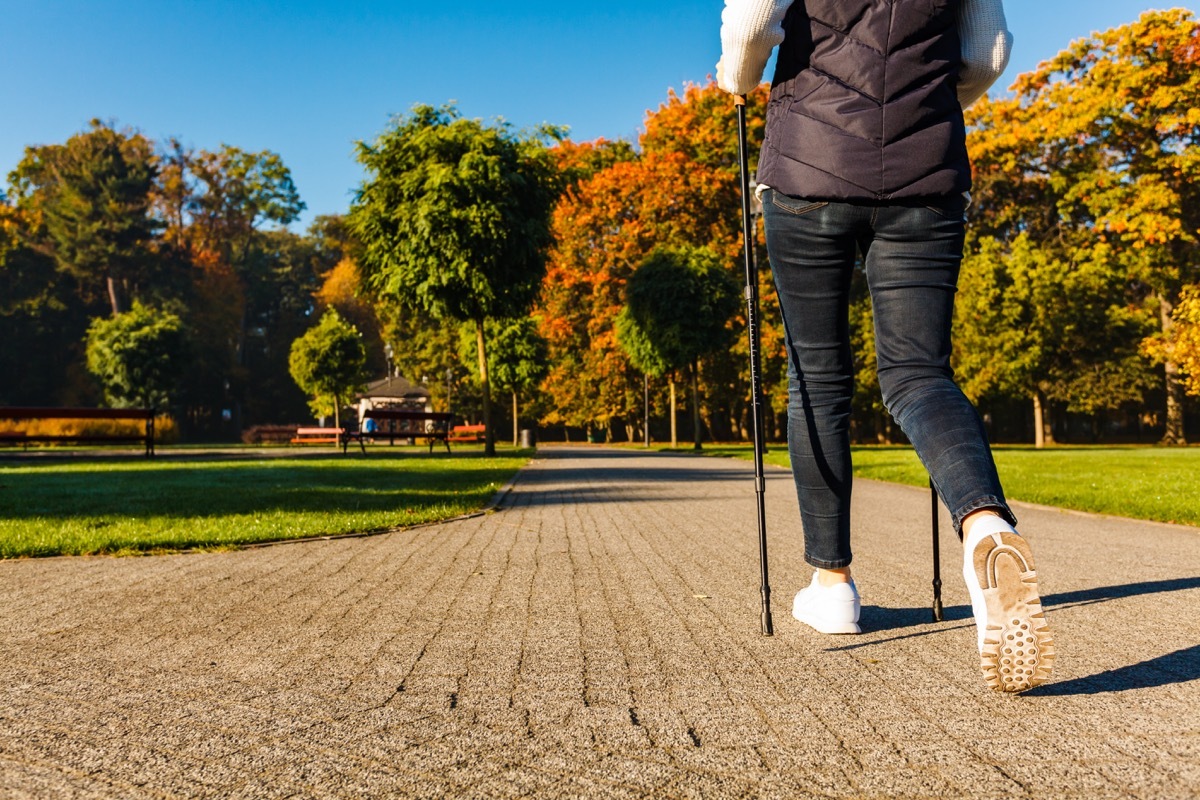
1018 651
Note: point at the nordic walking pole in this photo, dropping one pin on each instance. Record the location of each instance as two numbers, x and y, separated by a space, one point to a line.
937 556
755 362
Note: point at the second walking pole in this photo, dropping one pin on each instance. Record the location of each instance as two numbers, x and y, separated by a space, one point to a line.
748 237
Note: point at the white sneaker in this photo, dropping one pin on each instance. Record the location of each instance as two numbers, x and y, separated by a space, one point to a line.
1015 648
828 609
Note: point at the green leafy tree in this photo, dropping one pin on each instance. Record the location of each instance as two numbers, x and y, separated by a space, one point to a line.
237 192
1032 323
454 221
93 196
43 323
138 356
518 359
679 302
329 363
646 358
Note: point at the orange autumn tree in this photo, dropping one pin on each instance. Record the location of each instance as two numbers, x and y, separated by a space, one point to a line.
702 125
681 190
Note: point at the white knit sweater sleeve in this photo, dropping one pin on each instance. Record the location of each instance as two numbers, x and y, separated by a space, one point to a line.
986 46
750 29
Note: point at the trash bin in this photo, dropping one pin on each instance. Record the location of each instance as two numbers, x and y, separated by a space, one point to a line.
528 438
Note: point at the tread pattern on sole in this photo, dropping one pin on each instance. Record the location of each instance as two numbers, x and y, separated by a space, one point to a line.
1018 651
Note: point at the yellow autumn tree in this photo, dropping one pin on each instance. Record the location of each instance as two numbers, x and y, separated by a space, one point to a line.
1095 160
1183 345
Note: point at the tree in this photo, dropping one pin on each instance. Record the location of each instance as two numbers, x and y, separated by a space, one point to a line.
250 280
645 357
604 228
454 220
682 191
1183 346
1030 323
1097 153
329 363
678 305
701 126
236 193
517 359
138 356
93 197
43 321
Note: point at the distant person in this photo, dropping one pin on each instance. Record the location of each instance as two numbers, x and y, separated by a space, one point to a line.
865 155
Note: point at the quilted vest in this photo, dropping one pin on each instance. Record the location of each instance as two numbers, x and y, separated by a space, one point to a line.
863 104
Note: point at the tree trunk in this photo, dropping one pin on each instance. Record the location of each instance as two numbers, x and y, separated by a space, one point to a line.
1174 434
516 432
1043 431
674 422
695 406
337 418
489 437
646 408
114 296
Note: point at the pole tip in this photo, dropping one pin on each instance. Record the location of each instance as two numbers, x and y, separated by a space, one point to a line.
739 99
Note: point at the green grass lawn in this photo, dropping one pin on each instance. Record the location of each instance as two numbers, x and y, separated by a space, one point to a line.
123 506
1155 483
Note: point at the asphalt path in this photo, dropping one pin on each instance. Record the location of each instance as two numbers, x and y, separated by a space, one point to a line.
597 636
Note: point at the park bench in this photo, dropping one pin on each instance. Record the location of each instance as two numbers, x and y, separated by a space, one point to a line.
468 433
338 436
33 414
433 426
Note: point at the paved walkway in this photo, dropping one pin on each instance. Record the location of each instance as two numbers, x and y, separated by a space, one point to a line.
598 637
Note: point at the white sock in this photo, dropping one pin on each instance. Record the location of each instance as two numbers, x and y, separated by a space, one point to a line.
986 525
983 527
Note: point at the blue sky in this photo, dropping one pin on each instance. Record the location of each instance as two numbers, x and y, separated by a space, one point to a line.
306 79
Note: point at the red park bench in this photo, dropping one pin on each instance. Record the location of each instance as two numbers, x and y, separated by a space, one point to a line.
468 433
338 436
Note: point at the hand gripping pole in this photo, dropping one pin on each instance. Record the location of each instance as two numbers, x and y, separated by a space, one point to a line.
756 404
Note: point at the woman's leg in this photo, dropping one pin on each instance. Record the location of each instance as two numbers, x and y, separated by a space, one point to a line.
912 269
812 249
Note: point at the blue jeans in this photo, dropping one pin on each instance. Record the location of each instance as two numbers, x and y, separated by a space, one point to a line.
912 255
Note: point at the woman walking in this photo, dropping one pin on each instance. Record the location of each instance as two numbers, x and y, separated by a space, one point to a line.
865 156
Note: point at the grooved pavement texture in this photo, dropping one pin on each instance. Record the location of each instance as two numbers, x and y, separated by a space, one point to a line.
597 637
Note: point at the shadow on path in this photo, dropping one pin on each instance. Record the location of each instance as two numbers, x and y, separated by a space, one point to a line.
879 618
1099 594
1181 666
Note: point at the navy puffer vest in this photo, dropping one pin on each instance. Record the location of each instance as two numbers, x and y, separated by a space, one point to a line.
863 104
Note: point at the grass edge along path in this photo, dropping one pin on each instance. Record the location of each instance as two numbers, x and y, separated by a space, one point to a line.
1159 484
135 506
